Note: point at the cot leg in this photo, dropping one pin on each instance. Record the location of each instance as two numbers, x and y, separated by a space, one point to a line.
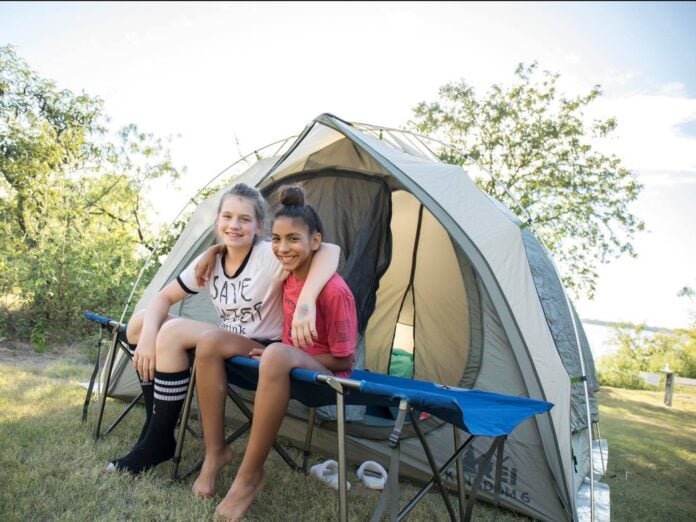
341 432
229 440
234 436
92 378
498 475
249 415
108 367
183 422
433 465
125 412
483 465
308 439
460 474
412 503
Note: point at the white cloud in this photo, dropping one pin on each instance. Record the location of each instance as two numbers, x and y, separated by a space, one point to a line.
672 89
648 137
666 178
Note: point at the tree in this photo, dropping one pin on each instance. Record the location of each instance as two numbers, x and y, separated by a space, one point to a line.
73 204
638 352
536 144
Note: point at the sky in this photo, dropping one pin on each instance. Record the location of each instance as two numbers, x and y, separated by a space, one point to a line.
229 78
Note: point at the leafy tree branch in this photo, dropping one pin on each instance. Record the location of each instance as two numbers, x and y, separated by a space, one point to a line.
537 144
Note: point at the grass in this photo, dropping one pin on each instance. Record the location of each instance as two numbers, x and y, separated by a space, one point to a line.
50 469
652 453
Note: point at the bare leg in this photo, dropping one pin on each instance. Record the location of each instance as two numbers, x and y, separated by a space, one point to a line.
270 405
212 350
135 325
175 338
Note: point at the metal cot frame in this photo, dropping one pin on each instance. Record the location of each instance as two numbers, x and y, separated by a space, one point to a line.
317 389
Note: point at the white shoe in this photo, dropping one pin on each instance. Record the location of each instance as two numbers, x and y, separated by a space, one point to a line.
372 474
327 472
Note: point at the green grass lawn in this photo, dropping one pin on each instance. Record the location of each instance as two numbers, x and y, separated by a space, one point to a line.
50 469
652 454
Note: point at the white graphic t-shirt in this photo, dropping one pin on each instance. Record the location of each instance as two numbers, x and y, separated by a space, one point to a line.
248 302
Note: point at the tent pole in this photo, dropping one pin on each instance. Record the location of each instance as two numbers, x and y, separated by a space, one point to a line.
587 404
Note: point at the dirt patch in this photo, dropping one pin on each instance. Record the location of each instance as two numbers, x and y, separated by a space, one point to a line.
17 353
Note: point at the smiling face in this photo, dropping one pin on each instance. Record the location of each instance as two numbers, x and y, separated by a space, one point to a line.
293 245
237 225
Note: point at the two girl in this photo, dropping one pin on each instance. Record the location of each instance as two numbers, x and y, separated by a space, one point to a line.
246 290
296 238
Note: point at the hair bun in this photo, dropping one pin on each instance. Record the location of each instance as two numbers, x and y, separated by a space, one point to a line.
292 196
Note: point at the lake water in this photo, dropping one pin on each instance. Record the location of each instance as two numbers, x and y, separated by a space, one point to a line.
600 337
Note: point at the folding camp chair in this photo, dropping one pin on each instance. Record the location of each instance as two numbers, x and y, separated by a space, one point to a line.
117 332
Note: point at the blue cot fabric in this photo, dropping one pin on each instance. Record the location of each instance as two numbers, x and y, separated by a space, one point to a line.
477 412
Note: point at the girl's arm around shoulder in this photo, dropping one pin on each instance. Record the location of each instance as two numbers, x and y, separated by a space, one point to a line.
206 264
323 267
340 313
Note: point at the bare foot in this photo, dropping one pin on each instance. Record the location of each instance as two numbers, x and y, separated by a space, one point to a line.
204 485
240 497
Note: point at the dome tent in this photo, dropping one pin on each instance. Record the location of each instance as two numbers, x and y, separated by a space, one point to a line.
444 272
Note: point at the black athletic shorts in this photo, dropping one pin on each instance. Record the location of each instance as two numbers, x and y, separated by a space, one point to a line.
266 342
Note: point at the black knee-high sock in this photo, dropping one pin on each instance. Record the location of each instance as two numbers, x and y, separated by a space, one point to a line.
158 444
145 386
148 388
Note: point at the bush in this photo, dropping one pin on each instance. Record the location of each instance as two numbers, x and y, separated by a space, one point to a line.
638 353
74 206
622 378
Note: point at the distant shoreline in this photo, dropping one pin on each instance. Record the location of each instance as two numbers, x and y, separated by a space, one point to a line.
655 329
602 335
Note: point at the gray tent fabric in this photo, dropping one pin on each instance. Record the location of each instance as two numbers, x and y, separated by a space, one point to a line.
560 319
561 324
443 272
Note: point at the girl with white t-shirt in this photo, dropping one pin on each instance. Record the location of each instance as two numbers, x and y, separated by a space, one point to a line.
246 289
